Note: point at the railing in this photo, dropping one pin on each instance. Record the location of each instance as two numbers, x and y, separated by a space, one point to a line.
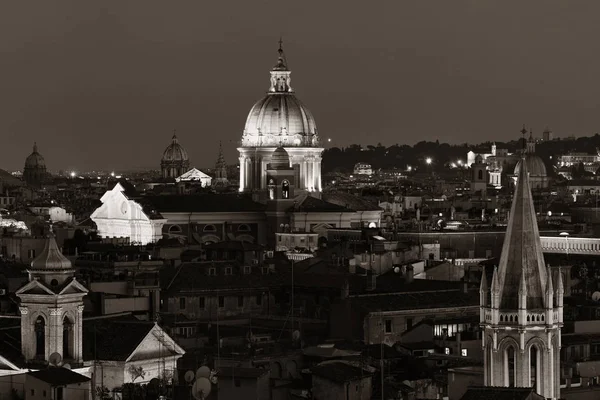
570 245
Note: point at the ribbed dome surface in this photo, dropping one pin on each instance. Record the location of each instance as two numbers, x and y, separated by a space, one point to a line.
35 159
175 152
51 257
280 119
535 166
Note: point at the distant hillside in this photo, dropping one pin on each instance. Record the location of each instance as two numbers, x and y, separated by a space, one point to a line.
401 156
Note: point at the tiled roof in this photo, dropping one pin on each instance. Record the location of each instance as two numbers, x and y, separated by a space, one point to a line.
194 277
58 376
312 204
416 300
339 371
104 339
500 393
233 245
351 201
203 203
243 373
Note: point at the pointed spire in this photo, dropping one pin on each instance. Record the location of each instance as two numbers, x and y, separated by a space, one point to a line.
35 148
560 285
483 287
174 138
549 289
522 251
549 285
495 281
523 285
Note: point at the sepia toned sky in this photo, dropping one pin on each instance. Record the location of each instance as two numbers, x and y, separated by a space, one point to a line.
102 84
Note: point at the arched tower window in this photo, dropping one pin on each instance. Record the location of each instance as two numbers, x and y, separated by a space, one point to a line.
534 367
509 366
40 338
285 190
68 338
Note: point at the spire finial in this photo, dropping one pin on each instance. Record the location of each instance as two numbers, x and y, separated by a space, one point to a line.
174 138
35 149
280 45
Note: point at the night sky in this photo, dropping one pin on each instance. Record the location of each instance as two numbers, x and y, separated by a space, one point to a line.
102 84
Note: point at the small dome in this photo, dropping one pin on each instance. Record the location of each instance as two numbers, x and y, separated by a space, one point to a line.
535 166
280 158
35 159
51 258
175 152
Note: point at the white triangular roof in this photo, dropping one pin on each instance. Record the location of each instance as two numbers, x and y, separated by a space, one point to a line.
193 174
156 338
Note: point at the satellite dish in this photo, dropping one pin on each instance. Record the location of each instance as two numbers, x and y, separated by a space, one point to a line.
67 366
397 270
596 296
296 335
201 388
203 372
55 359
189 376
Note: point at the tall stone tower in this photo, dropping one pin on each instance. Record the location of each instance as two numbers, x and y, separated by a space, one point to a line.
51 308
522 310
220 169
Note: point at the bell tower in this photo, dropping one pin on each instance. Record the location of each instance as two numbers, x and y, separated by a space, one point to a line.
522 310
51 306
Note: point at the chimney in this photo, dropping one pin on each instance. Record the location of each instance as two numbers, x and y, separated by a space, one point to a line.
345 289
410 274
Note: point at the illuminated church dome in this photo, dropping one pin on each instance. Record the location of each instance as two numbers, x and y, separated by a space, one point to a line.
279 118
281 132
175 161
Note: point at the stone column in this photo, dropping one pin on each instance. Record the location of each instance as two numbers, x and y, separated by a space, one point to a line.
242 173
54 334
78 335
28 341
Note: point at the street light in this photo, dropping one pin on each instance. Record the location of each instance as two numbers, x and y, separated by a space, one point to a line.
428 160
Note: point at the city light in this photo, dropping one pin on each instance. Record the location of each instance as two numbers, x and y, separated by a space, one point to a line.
459 162
408 168
73 174
428 160
453 165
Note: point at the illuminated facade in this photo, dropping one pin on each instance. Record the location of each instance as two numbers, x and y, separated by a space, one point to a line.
119 216
279 119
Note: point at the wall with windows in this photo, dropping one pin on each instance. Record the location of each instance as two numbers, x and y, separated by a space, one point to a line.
206 307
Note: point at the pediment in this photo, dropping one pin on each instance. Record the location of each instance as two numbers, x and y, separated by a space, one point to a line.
320 227
74 287
35 287
156 344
